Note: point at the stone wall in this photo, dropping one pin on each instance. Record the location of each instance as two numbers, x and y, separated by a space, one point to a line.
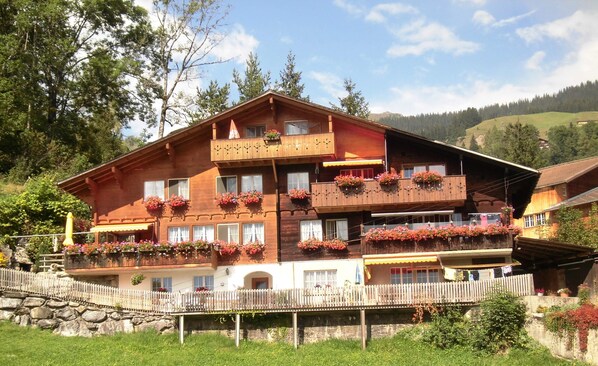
75 319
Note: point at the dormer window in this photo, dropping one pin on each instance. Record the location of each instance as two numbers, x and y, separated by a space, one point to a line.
296 128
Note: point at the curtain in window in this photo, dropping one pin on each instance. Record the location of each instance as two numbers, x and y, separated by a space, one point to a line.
251 183
178 233
298 181
205 232
229 233
226 184
342 229
203 281
153 188
311 229
179 187
253 232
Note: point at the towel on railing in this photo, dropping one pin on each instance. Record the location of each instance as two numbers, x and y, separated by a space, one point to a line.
450 274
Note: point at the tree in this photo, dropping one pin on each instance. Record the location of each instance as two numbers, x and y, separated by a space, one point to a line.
353 103
254 83
588 140
186 34
564 142
210 101
290 80
473 144
521 145
572 228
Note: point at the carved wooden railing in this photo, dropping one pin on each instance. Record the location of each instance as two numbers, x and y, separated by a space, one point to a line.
137 259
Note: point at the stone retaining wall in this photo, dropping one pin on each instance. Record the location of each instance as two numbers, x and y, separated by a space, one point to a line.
75 319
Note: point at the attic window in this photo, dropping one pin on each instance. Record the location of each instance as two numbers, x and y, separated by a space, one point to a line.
302 127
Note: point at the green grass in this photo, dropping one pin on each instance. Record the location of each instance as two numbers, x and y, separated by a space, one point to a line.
542 121
26 346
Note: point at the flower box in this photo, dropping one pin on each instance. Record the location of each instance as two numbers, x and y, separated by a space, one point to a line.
201 246
335 245
311 245
110 248
228 199
128 247
176 201
298 194
272 135
348 181
428 177
185 246
388 179
90 249
146 247
74 249
153 203
164 246
251 197
226 248
254 248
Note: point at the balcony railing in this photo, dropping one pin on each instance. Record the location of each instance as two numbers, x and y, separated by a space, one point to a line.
327 197
286 300
129 260
257 151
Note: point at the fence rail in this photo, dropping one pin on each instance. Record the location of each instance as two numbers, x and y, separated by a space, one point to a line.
334 298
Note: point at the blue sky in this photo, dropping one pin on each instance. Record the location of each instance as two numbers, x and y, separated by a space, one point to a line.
414 57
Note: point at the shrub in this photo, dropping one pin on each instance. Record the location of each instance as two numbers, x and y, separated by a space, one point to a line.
3 260
447 329
137 278
583 293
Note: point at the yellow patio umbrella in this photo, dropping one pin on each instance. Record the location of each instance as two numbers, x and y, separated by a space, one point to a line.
68 230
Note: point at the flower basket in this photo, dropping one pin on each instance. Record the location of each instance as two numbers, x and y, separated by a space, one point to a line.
348 181
254 248
164 247
226 248
162 289
251 198
90 249
177 201
146 247
184 246
335 245
539 291
298 194
201 246
387 179
74 249
110 248
128 247
228 199
564 292
153 203
272 135
310 245
429 177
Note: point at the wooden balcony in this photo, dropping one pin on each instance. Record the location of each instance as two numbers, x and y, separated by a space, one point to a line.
257 151
481 242
327 197
85 263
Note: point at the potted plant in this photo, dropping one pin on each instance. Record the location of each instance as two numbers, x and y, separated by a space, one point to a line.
146 246
428 177
254 247
227 199
539 291
128 247
110 248
137 278
348 181
90 249
184 246
226 248
335 245
165 246
310 245
201 246
251 197
272 135
564 292
177 201
298 194
74 249
387 179
153 203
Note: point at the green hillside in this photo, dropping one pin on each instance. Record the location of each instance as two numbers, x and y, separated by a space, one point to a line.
542 121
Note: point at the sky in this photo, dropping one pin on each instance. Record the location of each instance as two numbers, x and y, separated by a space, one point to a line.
413 57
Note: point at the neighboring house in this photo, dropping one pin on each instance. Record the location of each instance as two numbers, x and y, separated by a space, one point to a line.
290 180
571 184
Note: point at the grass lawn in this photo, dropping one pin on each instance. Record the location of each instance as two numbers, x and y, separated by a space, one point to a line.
26 346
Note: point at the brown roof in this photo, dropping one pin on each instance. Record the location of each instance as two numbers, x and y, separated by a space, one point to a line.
585 198
566 172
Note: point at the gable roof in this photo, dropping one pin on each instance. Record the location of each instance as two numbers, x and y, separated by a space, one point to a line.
566 172
266 101
581 199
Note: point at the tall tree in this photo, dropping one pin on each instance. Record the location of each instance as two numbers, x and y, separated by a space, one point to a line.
521 145
588 140
564 143
290 80
572 228
254 83
187 32
354 102
210 101
473 144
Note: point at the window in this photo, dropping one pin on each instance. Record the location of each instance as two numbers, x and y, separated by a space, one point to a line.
178 187
337 229
228 233
251 183
528 220
226 184
203 281
325 278
178 233
255 131
404 276
365 173
296 128
409 170
298 181
311 229
203 232
159 283
253 233
541 219
153 188
401 276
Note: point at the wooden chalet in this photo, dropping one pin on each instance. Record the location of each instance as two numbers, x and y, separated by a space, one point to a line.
262 174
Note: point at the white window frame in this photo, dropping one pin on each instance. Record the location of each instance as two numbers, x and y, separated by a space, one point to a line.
230 234
297 181
541 218
299 127
178 233
224 178
253 232
320 278
253 182
206 281
311 229
528 221
253 128
162 282
153 188
337 229
177 189
203 232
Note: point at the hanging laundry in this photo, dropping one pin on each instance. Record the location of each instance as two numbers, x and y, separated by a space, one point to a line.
475 275
466 276
507 271
497 272
450 274
459 275
485 274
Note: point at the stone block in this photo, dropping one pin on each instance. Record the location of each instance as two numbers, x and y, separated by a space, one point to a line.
22 311
56 303
73 328
110 327
15 294
114 315
94 316
25 321
66 314
33 302
47 323
128 326
10 303
41 312
137 320
6 315
162 325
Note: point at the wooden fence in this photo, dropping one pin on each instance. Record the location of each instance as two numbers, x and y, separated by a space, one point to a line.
286 300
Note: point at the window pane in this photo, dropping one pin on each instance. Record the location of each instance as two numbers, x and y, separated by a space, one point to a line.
407 172
311 229
419 168
204 232
440 168
226 185
253 233
298 181
255 131
153 188
179 187
296 128
228 232
325 278
251 183
178 233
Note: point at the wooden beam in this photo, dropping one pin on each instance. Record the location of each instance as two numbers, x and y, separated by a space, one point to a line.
274 171
93 188
181 329
363 329
273 109
118 176
214 131
330 129
237 329
295 331
171 153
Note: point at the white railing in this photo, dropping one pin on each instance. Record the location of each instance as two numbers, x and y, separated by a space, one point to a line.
333 298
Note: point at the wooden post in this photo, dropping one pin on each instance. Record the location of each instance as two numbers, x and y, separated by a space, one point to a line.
295 331
181 328
363 329
237 329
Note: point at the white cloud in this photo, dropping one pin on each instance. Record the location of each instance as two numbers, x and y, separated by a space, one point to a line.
380 12
329 82
286 40
420 36
236 45
471 2
349 8
512 20
533 63
483 17
567 29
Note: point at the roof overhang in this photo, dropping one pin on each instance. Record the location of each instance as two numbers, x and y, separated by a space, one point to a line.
357 162
120 228
538 253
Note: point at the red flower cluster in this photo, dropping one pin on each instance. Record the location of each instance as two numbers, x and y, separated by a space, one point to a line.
251 197
226 248
253 248
583 319
387 179
310 244
335 244
428 177
176 201
144 246
298 194
153 203
348 181
90 249
110 248
227 199
272 134
401 233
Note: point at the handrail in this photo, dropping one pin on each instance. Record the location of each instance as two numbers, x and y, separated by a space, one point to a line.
284 300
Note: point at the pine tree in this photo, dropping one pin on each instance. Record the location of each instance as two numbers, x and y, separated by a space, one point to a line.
210 101
255 82
473 144
354 103
290 80
521 145
564 143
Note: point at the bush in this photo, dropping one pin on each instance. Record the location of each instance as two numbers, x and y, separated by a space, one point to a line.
500 323
447 329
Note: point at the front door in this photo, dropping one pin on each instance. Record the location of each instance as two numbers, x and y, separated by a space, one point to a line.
260 283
